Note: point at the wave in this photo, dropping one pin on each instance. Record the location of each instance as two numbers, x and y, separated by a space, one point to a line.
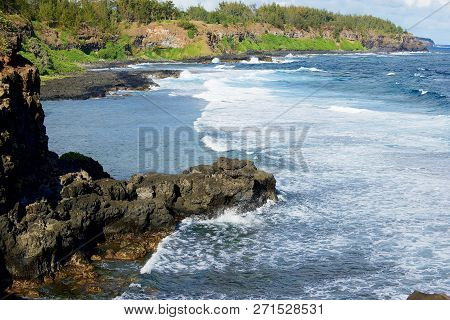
348 109
223 66
423 92
391 74
186 75
312 69
215 144
408 53
215 60
253 60
154 259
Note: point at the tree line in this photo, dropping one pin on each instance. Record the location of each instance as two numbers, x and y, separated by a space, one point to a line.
106 14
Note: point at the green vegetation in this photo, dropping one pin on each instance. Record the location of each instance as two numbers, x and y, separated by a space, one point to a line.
119 50
74 156
90 26
348 45
192 30
106 14
284 17
197 49
51 62
274 42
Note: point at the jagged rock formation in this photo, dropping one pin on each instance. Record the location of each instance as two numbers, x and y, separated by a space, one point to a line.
25 158
51 208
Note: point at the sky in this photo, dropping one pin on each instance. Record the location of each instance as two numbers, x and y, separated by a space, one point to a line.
406 13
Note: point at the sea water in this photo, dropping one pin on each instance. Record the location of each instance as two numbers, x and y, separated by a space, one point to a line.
364 202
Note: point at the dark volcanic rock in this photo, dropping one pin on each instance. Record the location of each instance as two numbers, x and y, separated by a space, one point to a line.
74 162
25 159
417 295
39 237
93 84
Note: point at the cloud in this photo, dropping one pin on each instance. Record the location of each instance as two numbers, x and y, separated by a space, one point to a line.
424 3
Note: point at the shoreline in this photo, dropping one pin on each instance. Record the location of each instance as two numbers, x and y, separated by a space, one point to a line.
96 84
101 77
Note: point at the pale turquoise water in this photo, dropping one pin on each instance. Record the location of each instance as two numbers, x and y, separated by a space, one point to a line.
370 217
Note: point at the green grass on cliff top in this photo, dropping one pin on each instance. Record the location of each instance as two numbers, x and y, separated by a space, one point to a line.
270 42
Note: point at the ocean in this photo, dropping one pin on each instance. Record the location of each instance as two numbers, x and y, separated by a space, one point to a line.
358 143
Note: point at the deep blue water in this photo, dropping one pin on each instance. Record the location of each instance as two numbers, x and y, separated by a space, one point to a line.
359 145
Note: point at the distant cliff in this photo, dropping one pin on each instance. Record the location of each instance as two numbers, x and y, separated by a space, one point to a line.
427 41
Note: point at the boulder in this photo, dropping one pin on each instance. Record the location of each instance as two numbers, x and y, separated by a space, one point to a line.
417 295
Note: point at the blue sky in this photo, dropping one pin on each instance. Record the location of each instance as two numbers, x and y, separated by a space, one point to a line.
405 13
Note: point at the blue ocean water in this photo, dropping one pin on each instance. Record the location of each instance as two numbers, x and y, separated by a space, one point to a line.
358 143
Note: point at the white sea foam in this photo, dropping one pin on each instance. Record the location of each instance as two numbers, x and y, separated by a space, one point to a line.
224 66
423 92
253 60
391 74
215 60
378 160
348 109
216 144
312 69
231 216
408 53
186 75
154 259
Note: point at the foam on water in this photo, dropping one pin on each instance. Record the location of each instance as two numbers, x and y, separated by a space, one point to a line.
312 69
362 187
367 218
215 144
253 60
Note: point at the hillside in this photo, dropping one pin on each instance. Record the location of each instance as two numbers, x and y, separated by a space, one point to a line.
62 35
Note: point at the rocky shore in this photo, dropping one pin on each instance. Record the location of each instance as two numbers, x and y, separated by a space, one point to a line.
94 84
60 214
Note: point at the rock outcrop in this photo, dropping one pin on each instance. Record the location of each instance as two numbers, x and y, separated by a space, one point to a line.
38 237
417 295
52 208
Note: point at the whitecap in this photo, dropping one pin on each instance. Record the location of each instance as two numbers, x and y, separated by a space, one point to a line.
186 74
154 259
253 60
215 144
423 92
223 66
312 69
231 216
391 74
347 109
215 60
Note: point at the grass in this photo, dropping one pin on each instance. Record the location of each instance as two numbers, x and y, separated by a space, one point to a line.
114 51
274 42
53 62
348 45
194 50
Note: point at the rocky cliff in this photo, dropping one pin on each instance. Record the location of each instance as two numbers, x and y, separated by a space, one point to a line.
167 35
52 208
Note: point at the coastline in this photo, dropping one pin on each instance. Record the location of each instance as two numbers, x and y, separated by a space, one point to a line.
95 84
108 76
